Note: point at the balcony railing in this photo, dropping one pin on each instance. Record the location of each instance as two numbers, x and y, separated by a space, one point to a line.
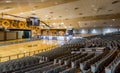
20 55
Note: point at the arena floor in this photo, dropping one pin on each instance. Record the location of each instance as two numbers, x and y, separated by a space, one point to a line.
22 49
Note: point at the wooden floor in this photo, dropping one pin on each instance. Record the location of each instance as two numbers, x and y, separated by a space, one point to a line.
25 47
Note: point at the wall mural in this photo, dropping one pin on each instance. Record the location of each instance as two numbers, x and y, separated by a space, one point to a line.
16 24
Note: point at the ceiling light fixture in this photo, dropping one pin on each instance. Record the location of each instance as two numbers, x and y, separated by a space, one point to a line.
76 8
116 1
54 23
8 16
21 13
80 13
56 3
35 6
32 11
62 23
33 14
65 27
49 18
46 15
54 18
66 10
51 12
110 10
8 1
66 19
92 5
113 19
60 16
79 22
42 0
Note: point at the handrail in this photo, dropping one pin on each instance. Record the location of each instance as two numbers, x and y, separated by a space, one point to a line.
24 54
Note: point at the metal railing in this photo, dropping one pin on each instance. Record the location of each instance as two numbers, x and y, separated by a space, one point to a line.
20 55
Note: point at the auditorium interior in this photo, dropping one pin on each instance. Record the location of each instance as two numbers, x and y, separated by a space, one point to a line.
59 36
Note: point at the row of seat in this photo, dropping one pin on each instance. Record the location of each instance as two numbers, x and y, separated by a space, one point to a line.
33 67
18 64
86 65
41 70
61 69
54 53
97 42
111 67
99 66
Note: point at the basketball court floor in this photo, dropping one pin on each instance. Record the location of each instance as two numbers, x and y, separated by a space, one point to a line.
17 50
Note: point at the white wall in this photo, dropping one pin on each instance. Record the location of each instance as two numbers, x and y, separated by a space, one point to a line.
83 31
20 34
96 30
109 30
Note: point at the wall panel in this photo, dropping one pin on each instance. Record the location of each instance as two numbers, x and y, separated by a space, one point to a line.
11 35
1 35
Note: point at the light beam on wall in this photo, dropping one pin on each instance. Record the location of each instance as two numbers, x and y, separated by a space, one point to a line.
83 31
94 31
108 31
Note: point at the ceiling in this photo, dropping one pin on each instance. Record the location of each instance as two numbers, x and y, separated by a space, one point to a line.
65 13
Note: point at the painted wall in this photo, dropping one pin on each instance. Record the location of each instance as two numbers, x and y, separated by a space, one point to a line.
12 35
20 34
26 34
1 35
53 32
